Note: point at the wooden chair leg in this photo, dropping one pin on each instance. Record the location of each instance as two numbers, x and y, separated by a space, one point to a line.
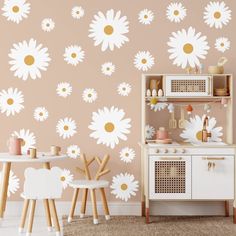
31 217
23 215
83 204
104 202
55 217
48 215
93 199
74 200
227 208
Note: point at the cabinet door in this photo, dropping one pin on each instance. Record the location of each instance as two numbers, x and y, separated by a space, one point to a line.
213 177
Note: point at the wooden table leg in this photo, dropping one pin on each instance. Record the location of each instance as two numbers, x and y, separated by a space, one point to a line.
84 202
48 214
4 187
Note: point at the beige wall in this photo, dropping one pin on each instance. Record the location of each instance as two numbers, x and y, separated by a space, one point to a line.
69 31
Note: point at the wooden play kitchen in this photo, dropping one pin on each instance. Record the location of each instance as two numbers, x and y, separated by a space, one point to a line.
198 163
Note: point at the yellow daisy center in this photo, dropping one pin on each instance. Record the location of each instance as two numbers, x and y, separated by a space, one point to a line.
108 68
222 45
73 151
109 127
77 12
199 135
15 9
217 15
40 113
89 95
63 178
176 12
145 16
29 60
144 61
64 89
73 55
124 187
153 101
66 127
126 154
188 48
22 142
10 101
108 29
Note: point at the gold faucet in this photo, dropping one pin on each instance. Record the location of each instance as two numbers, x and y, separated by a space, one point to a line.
205 134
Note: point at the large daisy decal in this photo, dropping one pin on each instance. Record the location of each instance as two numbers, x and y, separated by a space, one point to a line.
66 128
193 130
109 126
176 12
28 59
109 30
13 184
124 186
217 14
187 47
11 101
66 178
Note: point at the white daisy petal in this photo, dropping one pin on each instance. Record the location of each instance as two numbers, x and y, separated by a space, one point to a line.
47 24
149 131
108 68
40 114
124 89
77 12
176 12
66 128
64 89
146 17
222 44
89 95
66 178
127 155
143 60
74 54
73 151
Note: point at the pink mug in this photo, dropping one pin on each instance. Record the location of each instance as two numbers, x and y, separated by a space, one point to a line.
14 145
162 133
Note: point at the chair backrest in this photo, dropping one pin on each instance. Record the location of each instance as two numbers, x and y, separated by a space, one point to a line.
43 183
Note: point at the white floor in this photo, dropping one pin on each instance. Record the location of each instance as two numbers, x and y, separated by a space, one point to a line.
9 227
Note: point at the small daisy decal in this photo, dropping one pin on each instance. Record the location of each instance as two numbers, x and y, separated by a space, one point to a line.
157 106
16 10
143 60
124 89
47 24
146 17
176 12
127 155
108 68
149 131
89 95
28 59
13 184
11 101
73 55
73 151
222 44
40 114
77 12
66 128
66 178
64 89
124 186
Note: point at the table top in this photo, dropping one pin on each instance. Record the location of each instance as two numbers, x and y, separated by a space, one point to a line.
41 158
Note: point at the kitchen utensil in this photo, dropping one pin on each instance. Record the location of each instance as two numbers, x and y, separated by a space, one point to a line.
219 68
33 153
148 93
221 92
154 84
162 133
160 93
172 121
182 121
14 145
55 150
154 92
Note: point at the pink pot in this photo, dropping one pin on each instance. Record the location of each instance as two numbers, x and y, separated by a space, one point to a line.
14 145
162 133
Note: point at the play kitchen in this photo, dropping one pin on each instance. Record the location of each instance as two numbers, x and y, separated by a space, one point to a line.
187 139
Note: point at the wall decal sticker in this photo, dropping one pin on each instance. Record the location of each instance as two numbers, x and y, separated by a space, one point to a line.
64 89
150 131
109 126
89 95
176 12
73 55
40 114
108 68
146 17
143 60
14 183
11 101
124 89
222 44
66 128
187 47
16 10
217 14
47 24
127 155
109 30
28 59
73 151
157 106
28 137
124 186
77 12
66 178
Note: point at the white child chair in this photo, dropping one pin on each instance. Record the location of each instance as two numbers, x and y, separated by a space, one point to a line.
41 184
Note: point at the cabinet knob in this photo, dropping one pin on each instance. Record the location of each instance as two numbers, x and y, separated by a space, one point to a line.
182 150
173 150
157 151
165 150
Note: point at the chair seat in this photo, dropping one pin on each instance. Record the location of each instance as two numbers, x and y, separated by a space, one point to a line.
90 184
36 198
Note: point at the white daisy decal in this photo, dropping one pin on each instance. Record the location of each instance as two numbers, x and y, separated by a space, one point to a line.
11 101
77 12
124 186
64 89
108 68
66 178
222 44
109 126
73 151
149 131
124 89
47 24
143 60
13 184
89 95
28 139
109 30
66 128
157 106
146 17
16 10
176 12
127 154
217 14
193 130
40 114
73 55
28 59
187 47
